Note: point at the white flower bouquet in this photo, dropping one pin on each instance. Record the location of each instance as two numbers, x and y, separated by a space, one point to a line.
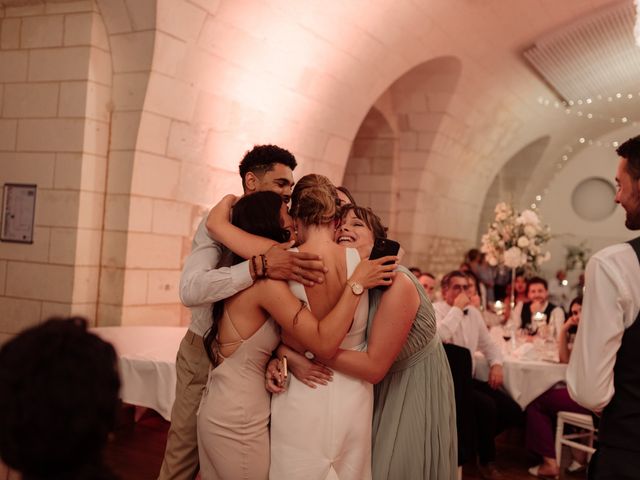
516 240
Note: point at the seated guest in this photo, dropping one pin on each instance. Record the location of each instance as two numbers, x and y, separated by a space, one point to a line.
416 271
462 324
538 302
58 401
428 281
477 291
478 301
542 412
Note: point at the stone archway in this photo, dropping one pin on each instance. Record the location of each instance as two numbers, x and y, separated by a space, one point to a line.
511 180
369 171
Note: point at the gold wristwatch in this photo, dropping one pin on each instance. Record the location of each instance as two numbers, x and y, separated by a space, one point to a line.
356 288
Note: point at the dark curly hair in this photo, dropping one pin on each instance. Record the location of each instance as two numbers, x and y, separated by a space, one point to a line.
630 150
261 158
259 214
537 281
58 401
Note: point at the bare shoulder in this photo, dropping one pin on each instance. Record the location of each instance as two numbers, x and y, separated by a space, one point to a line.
402 289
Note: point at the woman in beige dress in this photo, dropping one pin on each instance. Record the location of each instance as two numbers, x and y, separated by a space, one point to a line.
233 418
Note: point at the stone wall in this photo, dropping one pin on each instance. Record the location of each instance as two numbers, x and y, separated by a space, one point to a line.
55 87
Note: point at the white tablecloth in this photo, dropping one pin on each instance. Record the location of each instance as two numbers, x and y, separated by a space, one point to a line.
147 360
524 380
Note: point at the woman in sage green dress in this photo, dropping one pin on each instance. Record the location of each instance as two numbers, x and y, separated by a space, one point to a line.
414 421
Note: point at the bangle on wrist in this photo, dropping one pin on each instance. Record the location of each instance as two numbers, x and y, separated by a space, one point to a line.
259 273
265 266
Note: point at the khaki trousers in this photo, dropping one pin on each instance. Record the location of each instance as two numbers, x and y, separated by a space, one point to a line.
192 369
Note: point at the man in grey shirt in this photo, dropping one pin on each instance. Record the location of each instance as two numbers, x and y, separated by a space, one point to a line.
207 277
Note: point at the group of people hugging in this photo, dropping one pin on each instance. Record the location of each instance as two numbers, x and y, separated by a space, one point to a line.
304 358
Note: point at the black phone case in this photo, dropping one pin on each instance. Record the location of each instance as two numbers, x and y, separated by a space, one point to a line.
383 247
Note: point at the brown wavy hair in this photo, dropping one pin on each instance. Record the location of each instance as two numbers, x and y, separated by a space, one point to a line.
314 200
370 219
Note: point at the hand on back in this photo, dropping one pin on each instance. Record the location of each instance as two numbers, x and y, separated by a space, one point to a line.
303 267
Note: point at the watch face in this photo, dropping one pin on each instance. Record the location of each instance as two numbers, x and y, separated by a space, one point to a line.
356 288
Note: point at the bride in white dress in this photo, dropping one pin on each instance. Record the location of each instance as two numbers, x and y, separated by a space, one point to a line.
325 433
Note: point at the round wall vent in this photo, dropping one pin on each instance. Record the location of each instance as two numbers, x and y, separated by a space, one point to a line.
593 199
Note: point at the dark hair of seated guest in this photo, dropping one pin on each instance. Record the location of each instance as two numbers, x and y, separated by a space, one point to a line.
59 389
258 214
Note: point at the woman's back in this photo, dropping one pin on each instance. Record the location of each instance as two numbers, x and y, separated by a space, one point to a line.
325 432
323 296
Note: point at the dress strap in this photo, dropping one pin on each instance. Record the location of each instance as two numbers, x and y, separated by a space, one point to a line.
235 342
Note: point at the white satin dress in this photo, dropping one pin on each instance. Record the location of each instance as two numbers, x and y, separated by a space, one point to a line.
325 433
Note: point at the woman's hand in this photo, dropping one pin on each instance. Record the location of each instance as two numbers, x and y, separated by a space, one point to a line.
571 321
274 376
309 372
220 213
372 273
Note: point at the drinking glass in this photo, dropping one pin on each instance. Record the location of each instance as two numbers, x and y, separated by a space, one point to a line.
540 320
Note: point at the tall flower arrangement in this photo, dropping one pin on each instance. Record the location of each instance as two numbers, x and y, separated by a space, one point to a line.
516 240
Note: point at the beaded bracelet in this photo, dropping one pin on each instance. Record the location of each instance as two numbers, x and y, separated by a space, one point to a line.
255 268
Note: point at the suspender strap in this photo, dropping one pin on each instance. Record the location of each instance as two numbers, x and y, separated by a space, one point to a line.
635 244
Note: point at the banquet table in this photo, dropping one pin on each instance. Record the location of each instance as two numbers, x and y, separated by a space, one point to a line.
524 379
147 359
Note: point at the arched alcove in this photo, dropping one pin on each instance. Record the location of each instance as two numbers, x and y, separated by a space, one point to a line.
369 171
511 180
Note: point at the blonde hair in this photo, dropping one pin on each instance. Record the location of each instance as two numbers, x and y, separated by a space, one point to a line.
314 200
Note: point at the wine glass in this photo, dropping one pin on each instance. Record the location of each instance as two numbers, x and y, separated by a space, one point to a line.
508 334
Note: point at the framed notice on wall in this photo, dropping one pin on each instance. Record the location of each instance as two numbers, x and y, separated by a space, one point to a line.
18 212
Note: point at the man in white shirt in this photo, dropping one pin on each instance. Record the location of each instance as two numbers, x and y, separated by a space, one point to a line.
462 324
604 370
538 294
207 276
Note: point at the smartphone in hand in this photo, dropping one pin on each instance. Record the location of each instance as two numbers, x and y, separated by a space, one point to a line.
383 247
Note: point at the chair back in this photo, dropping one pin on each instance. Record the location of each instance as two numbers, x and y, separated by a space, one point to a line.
461 371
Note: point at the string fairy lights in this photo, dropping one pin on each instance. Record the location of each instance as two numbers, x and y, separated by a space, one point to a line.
586 107
590 108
